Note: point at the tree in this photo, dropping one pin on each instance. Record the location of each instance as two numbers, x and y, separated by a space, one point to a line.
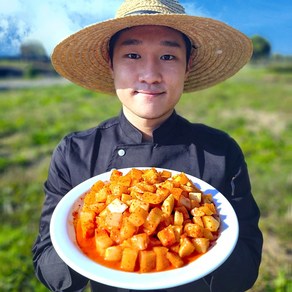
34 51
261 48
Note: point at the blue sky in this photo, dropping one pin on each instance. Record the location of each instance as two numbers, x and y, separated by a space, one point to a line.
49 21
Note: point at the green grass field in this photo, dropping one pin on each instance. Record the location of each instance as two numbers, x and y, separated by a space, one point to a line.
254 107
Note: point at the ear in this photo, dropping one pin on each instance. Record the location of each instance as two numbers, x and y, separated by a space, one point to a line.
188 68
111 67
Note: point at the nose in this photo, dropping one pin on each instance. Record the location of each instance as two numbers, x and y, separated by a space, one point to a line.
150 71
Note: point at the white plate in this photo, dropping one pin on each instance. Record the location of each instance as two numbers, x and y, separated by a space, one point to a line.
63 239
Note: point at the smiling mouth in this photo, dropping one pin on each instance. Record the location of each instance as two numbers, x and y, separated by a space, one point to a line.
149 93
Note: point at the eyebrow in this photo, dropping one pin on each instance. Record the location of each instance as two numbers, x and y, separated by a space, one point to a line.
167 43
129 42
171 44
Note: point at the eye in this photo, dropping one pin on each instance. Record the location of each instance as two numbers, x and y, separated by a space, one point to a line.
167 57
133 56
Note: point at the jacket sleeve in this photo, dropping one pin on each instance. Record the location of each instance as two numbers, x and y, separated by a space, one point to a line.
240 270
49 268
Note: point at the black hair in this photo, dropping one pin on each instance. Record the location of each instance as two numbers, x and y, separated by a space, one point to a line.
112 43
115 37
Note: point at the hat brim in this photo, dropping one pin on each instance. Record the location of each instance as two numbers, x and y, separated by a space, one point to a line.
220 51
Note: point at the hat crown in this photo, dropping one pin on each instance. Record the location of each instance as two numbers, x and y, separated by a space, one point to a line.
136 7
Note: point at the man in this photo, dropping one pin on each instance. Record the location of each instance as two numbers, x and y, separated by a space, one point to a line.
149 55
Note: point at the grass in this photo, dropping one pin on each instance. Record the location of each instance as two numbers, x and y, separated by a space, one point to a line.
254 107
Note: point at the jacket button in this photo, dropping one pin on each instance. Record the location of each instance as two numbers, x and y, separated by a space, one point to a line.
121 152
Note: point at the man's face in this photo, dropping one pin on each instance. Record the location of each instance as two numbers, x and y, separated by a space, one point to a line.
149 69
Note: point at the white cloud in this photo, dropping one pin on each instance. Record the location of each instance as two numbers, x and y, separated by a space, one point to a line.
9 7
192 8
48 21
3 26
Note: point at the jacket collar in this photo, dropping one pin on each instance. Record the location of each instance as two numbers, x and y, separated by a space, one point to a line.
162 134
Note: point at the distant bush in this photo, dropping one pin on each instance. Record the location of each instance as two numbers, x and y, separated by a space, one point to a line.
261 48
10 72
33 51
38 68
18 68
280 67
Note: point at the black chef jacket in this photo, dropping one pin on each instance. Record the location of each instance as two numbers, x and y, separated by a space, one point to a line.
196 149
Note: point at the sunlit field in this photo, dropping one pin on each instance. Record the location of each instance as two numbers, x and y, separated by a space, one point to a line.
254 107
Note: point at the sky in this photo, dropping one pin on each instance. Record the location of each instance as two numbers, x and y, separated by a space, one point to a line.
50 21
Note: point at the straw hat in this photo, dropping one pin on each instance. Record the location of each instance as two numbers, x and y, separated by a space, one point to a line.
220 50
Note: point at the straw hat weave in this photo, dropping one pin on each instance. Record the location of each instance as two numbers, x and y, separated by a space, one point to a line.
220 50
